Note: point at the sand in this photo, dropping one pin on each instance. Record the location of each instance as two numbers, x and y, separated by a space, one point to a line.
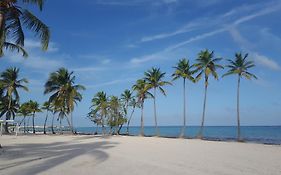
78 155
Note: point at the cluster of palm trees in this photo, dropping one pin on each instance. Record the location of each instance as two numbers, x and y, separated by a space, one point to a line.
112 111
206 66
64 94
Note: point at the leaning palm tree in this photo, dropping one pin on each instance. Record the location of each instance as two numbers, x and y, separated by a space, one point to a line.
9 84
206 65
133 104
48 107
240 66
34 108
142 88
99 106
8 111
24 111
184 70
13 17
64 90
154 78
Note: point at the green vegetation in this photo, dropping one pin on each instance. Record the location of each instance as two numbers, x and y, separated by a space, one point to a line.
112 112
240 66
206 65
154 78
13 17
184 70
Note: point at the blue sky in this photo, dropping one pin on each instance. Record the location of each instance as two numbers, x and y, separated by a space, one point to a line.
110 43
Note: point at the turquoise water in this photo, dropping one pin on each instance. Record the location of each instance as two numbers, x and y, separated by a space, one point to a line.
259 134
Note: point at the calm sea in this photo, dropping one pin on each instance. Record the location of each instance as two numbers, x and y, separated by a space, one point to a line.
259 134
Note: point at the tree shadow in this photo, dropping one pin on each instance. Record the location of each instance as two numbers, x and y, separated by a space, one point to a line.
46 156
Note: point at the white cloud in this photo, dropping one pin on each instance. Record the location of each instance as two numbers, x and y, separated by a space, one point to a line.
221 20
113 82
88 69
32 44
266 62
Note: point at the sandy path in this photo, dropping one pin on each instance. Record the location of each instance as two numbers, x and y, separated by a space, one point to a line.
80 155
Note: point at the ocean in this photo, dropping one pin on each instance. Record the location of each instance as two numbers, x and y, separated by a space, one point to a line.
257 134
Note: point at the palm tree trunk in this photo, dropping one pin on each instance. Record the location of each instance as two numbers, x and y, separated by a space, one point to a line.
68 121
33 122
2 27
102 125
71 121
24 129
155 115
184 113
8 117
45 122
60 126
200 134
128 124
142 127
238 112
53 124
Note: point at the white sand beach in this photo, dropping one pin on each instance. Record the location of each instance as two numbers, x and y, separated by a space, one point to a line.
124 155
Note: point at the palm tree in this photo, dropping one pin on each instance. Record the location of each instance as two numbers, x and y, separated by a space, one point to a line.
34 107
24 111
73 95
9 85
48 107
100 105
142 88
12 19
127 97
206 65
184 70
240 66
133 104
8 110
154 78
64 92
114 108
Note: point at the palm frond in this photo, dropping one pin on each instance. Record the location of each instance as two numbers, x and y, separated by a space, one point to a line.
37 26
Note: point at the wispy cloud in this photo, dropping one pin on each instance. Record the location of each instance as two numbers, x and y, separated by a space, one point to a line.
134 2
220 20
223 28
248 46
266 62
113 82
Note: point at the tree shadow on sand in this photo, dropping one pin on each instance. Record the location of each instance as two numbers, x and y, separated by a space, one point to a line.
46 156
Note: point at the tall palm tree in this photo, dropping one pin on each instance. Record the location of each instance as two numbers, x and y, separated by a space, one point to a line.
34 108
73 96
206 65
65 92
9 85
240 66
184 70
127 97
13 17
142 88
100 105
24 111
48 107
154 78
